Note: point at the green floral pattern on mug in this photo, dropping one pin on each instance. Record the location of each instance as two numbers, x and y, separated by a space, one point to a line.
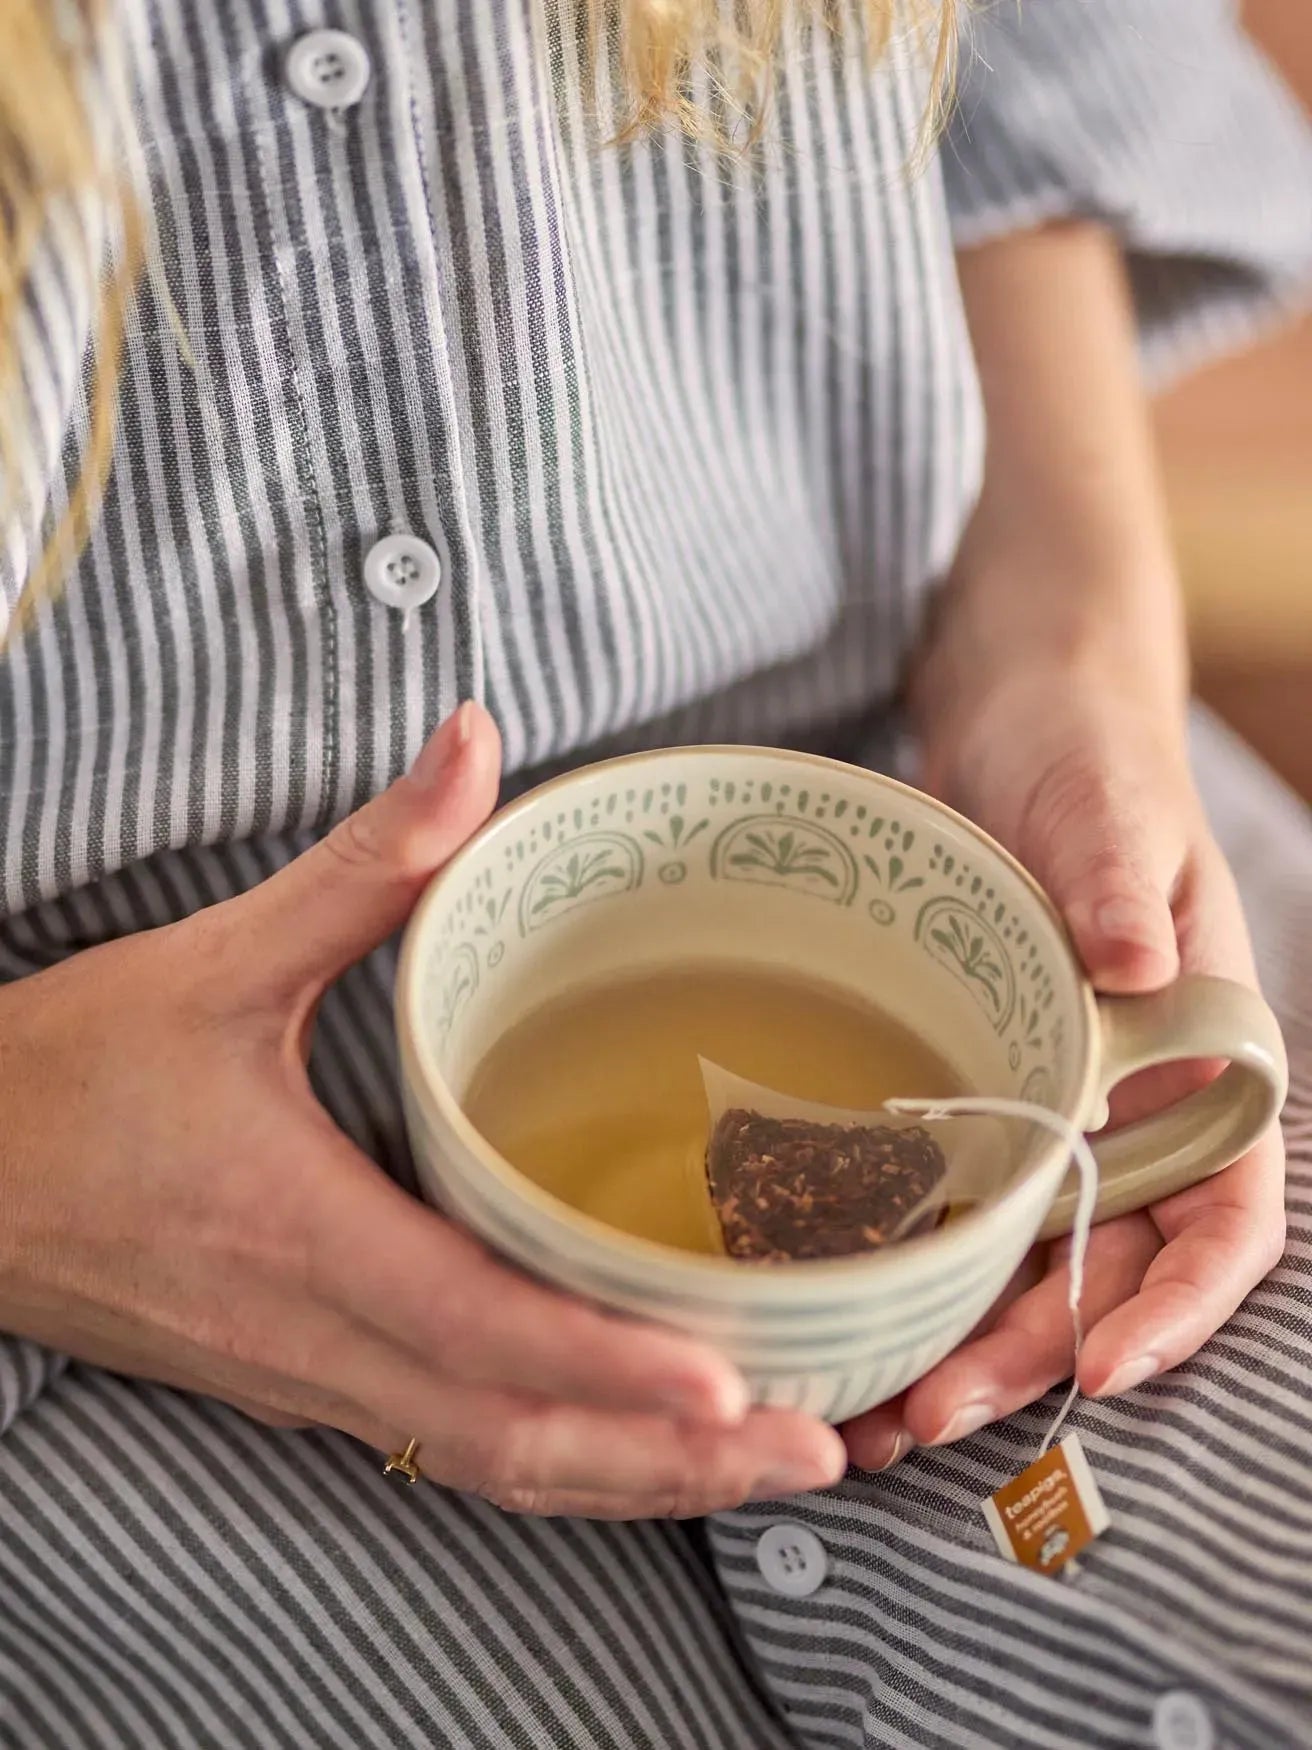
800 838
587 868
459 983
954 933
786 853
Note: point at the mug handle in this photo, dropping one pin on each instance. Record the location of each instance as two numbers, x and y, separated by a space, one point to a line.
1208 1129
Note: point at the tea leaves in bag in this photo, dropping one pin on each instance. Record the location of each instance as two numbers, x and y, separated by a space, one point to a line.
792 1179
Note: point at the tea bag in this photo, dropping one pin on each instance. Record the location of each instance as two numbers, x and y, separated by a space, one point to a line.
793 1179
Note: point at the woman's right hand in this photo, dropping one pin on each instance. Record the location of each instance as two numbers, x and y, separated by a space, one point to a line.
177 1206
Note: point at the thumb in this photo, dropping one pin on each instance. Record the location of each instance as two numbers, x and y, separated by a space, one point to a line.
1102 859
357 886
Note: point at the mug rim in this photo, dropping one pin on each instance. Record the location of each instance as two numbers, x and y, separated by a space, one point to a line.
428 1085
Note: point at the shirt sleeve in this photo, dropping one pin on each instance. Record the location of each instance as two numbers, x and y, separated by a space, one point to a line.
1160 119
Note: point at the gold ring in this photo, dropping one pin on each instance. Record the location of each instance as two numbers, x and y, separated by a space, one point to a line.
405 1463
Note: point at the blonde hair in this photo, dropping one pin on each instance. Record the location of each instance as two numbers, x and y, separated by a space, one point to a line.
53 160
663 44
53 170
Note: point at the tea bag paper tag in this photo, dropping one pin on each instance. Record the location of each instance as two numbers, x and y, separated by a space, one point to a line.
1045 1516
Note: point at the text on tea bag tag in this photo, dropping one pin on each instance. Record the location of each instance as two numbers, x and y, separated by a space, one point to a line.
1044 1517
1052 1510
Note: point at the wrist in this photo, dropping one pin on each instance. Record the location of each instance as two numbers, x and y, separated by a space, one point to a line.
978 676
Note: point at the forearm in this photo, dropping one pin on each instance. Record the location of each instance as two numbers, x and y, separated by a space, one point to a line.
1067 561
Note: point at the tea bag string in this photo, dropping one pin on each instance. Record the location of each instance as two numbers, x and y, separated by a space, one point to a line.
972 1106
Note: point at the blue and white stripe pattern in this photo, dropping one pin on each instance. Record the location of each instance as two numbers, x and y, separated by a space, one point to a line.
692 440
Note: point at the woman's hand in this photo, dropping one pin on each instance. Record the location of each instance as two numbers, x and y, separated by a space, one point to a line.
1092 791
177 1206
1050 694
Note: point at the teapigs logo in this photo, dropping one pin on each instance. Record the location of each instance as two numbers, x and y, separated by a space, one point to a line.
1044 1517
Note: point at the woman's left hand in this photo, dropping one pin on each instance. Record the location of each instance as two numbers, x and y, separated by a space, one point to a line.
1092 791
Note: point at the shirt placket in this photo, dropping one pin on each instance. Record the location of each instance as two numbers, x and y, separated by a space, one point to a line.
381 433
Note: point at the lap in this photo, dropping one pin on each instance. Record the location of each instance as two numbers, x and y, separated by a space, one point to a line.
175 1576
921 1635
178 1576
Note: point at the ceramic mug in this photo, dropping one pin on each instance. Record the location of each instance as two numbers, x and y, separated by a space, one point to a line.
765 858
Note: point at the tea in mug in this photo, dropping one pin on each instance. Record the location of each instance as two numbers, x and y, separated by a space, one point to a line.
598 1097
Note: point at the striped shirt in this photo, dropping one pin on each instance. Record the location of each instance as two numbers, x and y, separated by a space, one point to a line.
691 439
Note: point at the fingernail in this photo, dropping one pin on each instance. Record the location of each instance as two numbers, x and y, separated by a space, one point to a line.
1127 1377
896 1453
792 1479
442 748
969 1419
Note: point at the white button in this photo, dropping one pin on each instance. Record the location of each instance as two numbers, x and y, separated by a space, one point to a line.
402 571
792 1560
328 68
1181 1722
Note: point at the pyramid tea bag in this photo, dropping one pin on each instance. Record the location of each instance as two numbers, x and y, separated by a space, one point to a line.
792 1179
